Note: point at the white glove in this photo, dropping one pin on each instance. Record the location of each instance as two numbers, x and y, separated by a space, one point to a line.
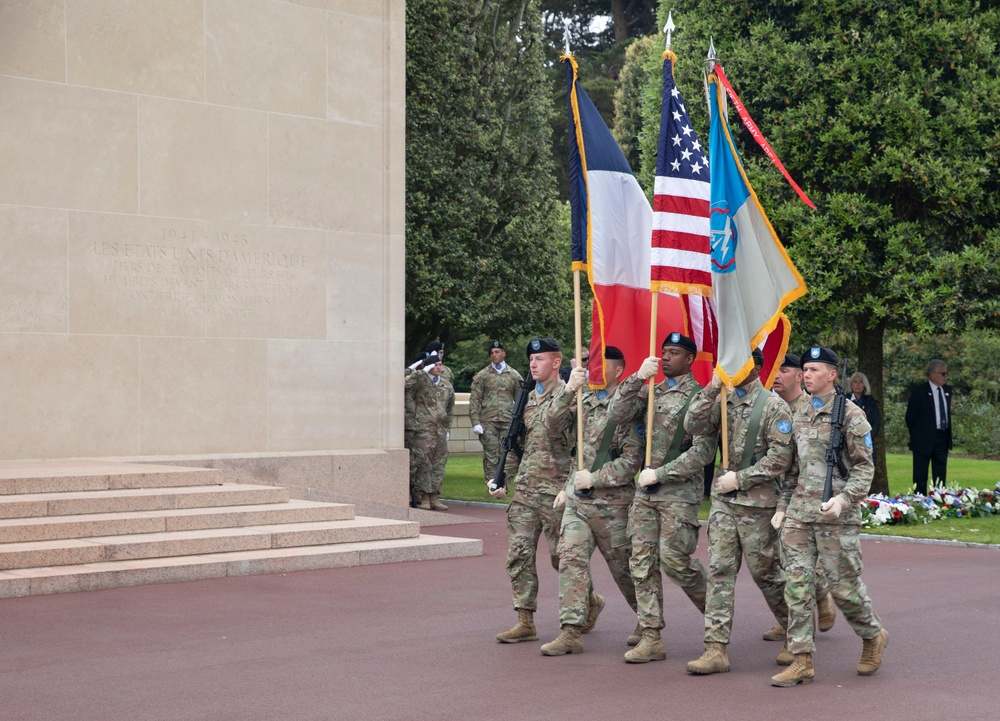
416 365
583 480
427 368
649 367
577 378
647 477
447 436
726 483
777 519
477 429
560 501
498 493
833 508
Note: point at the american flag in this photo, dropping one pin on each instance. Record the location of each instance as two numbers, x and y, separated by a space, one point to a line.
681 255
681 258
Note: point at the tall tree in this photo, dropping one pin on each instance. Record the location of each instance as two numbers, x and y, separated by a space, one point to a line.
482 248
887 115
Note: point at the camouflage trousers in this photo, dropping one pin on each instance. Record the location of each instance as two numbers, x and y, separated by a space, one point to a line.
586 526
837 548
524 525
736 532
421 447
664 535
493 433
439 458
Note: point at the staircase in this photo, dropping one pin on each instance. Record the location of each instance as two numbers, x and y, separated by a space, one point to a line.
82 525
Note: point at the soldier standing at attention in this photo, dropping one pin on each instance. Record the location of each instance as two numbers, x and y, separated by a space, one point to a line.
828 532
788 385
491 401
410 428
744 498
596 502
444 407
664 512
437 346
433 400
544 468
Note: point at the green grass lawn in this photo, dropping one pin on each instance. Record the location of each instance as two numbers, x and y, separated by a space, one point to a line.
463 480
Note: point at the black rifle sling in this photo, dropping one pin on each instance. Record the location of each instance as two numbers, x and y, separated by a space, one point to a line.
604 452
675 445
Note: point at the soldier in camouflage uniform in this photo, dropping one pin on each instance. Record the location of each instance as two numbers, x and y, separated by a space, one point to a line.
433 400
788 385
664 513
438 347
544 467
828 532
596 502
491 402
410 429
743 502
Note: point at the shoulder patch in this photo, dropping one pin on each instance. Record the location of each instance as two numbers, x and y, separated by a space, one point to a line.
784 426
816 403
868 441
640 430
475 378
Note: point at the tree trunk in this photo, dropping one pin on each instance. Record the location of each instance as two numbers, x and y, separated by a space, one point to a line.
619 23
870 357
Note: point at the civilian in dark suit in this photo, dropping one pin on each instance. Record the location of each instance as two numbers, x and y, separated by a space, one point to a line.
928 418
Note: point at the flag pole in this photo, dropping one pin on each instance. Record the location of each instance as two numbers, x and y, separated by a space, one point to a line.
578 328
652 381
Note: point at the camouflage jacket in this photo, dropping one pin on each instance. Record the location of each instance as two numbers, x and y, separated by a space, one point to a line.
760 483
433 403
448 375
682 478
547 457
491 398
614 482
802 492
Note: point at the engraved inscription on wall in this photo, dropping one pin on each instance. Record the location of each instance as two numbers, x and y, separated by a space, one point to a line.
204 280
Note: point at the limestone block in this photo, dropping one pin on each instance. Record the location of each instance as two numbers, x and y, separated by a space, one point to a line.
325 175
44 124
356 302
31 39
202 161
356 89
33 270
266 55
364 8
201 395
137 46
70 377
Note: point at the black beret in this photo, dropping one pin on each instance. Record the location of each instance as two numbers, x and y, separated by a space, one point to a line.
542 345
819 354
758 356
431 359
612 353
791 361
434 345
496 344
681 341
419 357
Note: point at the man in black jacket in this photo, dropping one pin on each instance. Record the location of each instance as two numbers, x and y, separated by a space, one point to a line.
928 418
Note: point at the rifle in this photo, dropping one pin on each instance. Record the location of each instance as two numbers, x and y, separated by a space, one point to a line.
834 451
515 434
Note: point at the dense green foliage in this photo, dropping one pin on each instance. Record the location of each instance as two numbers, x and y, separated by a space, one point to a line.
483 251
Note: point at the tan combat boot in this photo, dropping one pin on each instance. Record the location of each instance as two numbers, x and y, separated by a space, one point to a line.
775 634
423 501
827 612
436 505
785 657
871 653
566 642
799 672
714 660
635 636
523 631
650 648
595 604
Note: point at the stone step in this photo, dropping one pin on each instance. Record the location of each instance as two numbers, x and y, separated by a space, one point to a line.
71 503
118 574
97 549
48 528
63 476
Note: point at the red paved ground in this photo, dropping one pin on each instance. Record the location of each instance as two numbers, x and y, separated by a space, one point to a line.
415 641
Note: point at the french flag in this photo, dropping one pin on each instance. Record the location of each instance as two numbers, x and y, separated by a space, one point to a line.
612 225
